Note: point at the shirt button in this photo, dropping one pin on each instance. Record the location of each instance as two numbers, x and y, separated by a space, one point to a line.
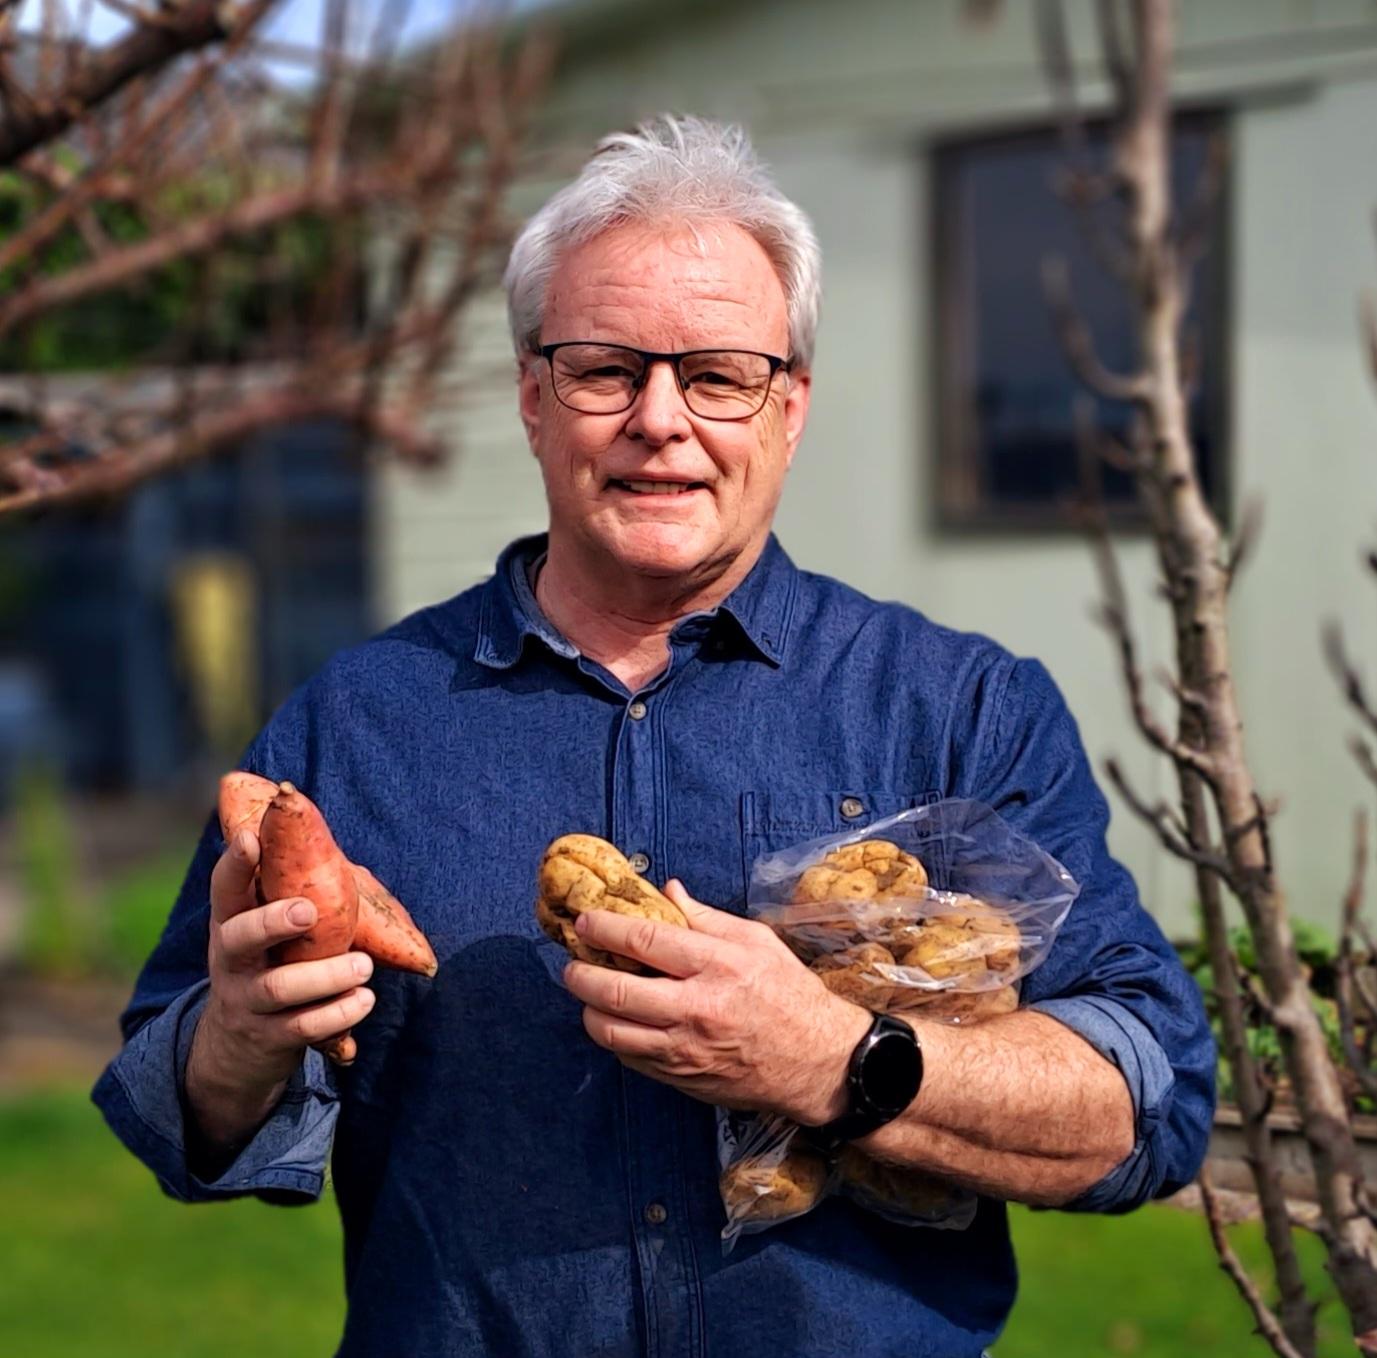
656 1213
637 710
851 807
639 862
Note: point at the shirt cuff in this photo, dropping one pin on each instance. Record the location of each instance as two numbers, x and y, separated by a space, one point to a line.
1123 1039
140 1095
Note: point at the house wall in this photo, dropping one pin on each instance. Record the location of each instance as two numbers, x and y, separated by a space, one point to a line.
843 100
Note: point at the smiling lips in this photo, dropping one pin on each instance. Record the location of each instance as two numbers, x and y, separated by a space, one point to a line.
656 487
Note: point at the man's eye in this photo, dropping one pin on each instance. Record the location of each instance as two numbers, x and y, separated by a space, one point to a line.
714 379
608 370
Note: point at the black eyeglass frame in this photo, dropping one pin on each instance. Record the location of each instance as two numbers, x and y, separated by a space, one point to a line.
649 356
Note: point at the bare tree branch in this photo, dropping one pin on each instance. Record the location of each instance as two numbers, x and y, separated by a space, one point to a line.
1077 343
149 47
1349 680
1159 817
1267 1324
1196 572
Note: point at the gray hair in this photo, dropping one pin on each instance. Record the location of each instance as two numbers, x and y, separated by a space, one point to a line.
678 169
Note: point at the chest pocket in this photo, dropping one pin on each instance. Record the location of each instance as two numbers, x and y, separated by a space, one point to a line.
773 821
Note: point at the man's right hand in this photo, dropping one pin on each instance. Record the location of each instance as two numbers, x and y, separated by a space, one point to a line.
261 1015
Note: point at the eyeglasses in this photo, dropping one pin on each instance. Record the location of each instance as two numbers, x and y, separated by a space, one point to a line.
605 379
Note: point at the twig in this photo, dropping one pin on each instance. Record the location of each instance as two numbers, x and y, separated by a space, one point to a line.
1077 344
1268 1326
1344 962
1159 817
1245 540
1350 681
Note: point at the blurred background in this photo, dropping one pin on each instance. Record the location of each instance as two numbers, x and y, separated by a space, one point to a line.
151 622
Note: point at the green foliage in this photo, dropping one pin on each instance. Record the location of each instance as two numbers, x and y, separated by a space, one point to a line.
58 935
135 907
278 272
65 932
1317 951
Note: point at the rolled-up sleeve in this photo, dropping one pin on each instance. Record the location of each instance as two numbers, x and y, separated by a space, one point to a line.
141 1092
141 1096
1111 976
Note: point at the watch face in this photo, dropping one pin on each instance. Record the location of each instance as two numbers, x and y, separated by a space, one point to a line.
891 1072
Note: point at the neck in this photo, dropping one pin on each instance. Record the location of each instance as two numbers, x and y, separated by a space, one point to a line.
623 620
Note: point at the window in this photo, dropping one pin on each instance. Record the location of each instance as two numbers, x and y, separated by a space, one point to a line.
1006 454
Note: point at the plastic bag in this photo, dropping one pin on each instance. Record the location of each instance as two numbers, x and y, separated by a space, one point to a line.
941 909
937 899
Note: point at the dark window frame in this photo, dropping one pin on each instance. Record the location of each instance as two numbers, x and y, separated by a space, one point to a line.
956 510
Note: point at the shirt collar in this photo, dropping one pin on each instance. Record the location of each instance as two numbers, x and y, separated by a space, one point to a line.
761 606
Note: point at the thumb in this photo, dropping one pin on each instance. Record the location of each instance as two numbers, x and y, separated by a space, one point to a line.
232 880
703 918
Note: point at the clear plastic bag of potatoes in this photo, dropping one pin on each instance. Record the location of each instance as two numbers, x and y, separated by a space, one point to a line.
919 908
938 912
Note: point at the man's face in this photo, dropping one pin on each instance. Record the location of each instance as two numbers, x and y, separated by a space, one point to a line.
659 288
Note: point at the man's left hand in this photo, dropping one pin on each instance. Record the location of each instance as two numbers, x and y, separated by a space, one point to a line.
736 1019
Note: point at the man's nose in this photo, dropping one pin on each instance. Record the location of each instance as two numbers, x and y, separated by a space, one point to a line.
659 413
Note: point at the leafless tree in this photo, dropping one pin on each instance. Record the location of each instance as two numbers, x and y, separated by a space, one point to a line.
1220 822
218 150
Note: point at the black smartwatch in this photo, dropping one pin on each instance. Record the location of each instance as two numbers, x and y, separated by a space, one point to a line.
883 1078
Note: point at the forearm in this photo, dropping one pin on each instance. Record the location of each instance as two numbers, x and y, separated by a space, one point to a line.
1019 1108
223 1109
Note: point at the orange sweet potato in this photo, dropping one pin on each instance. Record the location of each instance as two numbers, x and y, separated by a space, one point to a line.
383 928
301 858
386 931
244 797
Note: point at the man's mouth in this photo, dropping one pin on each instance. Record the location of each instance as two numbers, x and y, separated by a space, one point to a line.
656 487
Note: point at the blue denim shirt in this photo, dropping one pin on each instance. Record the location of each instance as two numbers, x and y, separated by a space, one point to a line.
506 1186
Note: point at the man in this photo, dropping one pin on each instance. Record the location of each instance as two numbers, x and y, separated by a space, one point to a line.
524 1152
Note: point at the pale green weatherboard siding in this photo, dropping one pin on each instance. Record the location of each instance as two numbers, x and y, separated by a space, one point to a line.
842 99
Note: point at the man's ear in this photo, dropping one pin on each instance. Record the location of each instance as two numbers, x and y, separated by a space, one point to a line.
528 397
796 403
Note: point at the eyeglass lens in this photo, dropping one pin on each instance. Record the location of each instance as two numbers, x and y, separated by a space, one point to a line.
600 379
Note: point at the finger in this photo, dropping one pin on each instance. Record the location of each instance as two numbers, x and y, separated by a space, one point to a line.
706 920
342 1050
298 983
245 937
623 1038
666 947
231 881
314 1023
644 999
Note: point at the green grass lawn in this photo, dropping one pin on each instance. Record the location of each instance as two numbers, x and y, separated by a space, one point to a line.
94 1260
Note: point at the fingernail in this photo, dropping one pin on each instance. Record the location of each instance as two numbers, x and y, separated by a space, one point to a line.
241 844
368 997
302 912
363 966
581 924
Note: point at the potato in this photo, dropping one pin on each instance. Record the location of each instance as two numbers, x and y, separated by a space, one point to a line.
386 931
244 797
583 872
301 858
877 1185
767 1188
851 974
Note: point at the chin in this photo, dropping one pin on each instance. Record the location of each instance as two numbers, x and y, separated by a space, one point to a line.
661 549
